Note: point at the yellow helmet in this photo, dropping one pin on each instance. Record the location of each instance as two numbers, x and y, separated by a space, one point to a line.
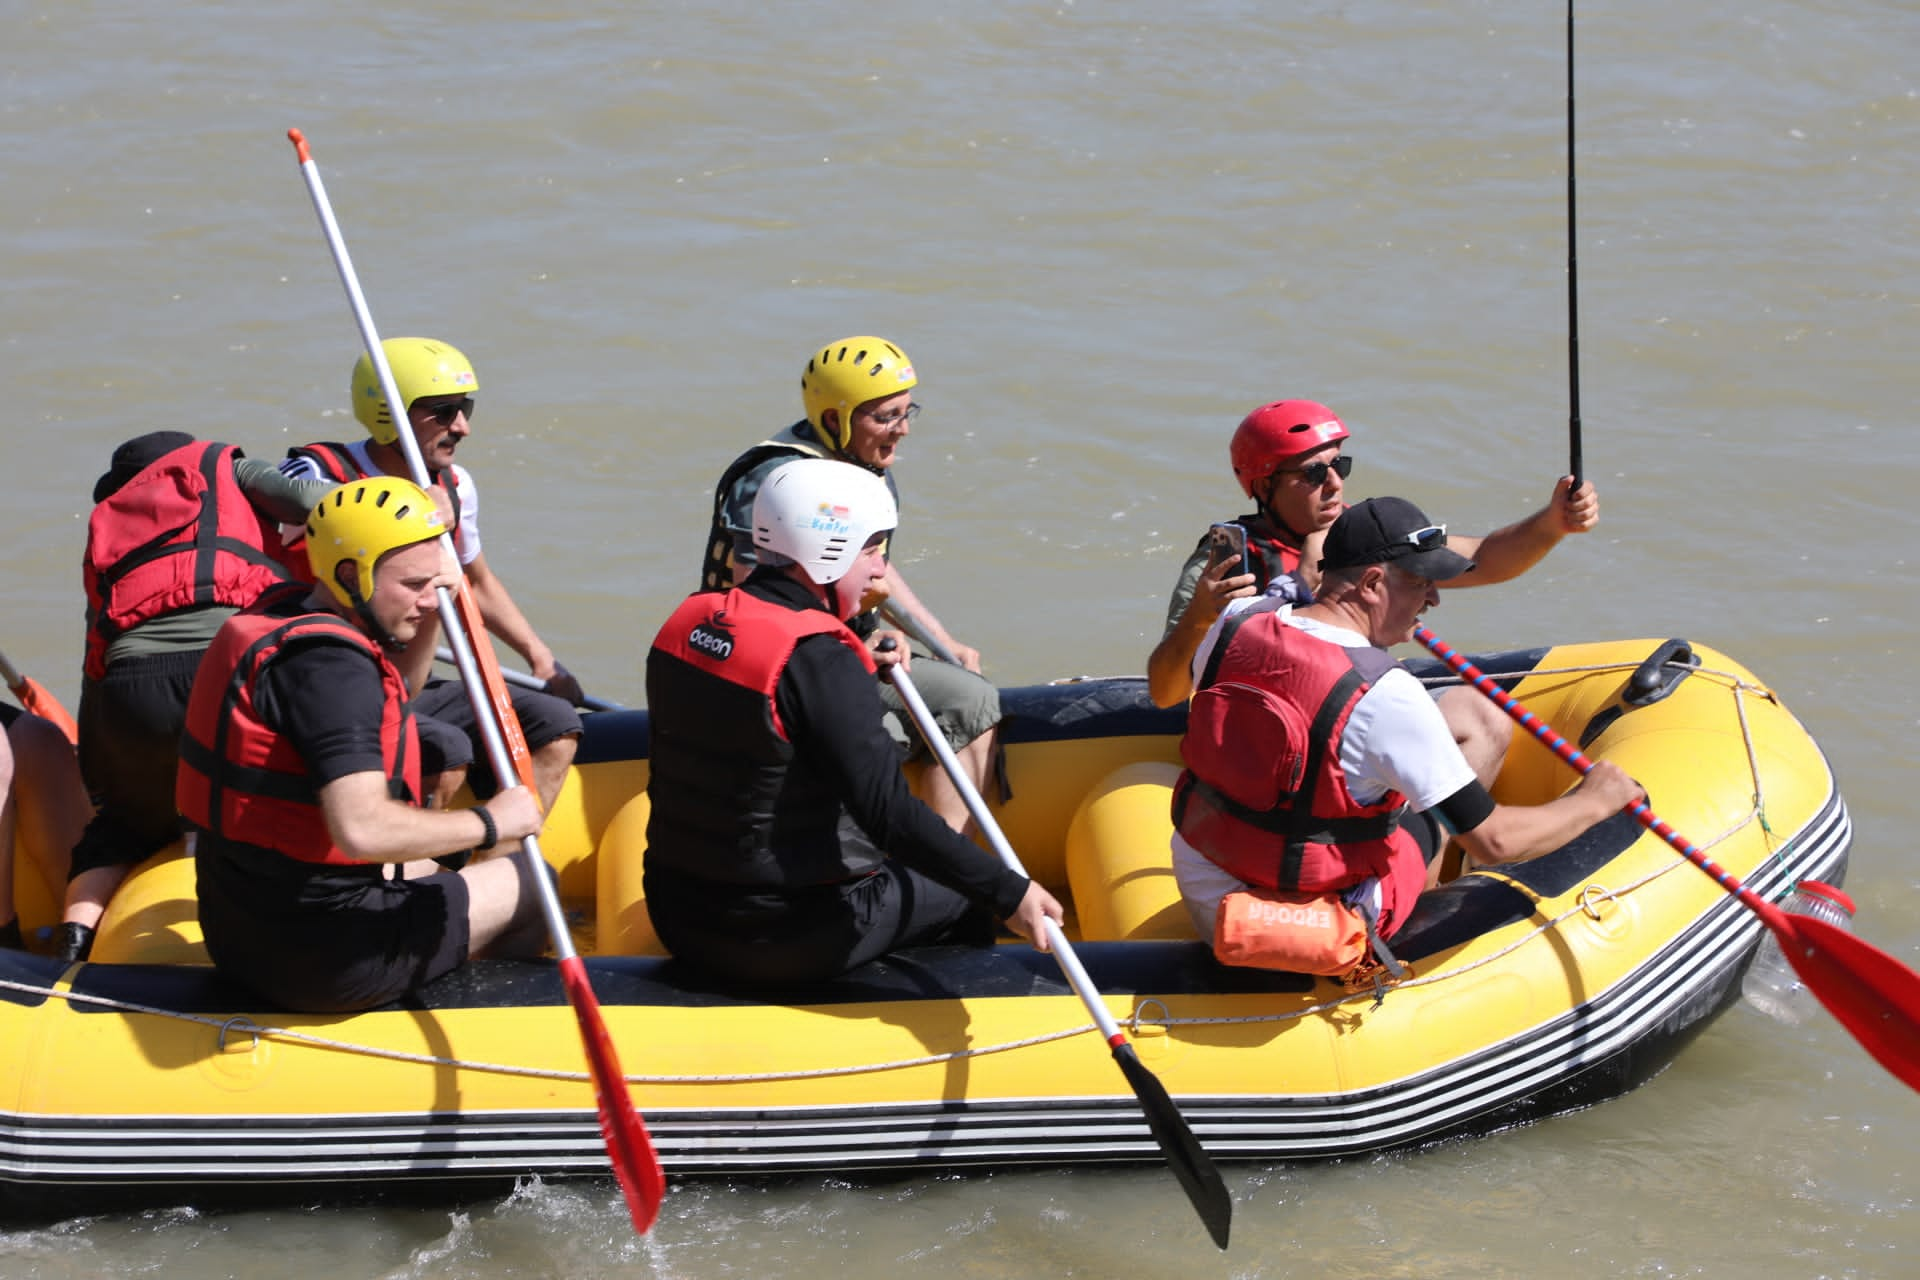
421 367
362 521
845 375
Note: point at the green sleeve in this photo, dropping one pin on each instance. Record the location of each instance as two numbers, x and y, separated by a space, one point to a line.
1189 582
282 497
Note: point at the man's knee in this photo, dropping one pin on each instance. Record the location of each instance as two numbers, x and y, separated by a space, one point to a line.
559 753
1480 728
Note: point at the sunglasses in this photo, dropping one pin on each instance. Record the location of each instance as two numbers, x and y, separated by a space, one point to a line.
1315 473
1434 535
444 414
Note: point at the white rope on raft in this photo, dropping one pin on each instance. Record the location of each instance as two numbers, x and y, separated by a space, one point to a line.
224 1027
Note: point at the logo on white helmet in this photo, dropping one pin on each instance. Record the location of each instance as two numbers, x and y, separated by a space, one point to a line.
832 519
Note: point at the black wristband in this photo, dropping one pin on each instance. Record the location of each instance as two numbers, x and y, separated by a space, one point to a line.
492 836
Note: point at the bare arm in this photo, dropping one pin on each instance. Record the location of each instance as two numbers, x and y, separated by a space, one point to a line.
1170 665
1508 552
368 824
899 591
504 619
1516 833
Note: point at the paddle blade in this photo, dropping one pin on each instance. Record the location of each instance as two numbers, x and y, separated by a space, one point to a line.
1191 1164
35 699
1874 996
635 1166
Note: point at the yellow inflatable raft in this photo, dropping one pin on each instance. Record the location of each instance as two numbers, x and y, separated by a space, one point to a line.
141 1076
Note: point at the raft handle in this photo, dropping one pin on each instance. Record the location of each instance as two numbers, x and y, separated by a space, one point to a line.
1651 681
1660 674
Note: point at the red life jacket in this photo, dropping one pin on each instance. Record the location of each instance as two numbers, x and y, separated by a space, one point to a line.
724 804
1264 796
337 463
243 781
180 535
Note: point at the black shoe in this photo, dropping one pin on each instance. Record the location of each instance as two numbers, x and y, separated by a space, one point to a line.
10 935
73 942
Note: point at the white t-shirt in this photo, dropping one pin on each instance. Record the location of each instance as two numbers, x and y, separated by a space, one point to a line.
466 538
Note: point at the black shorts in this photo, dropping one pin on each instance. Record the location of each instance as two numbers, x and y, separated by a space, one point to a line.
324 939
543 718
1428 833
810 934
130 721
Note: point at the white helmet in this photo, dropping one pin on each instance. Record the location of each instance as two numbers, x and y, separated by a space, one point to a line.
818 514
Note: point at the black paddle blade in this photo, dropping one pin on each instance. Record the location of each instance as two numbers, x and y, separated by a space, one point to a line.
1190 1164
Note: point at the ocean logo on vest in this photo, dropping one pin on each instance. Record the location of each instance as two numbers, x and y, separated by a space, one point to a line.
713 637
832 519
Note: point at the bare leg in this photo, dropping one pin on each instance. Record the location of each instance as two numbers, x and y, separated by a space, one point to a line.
503 909
52 802
976 761
1480 728
89 892
43 807
442 787
550 765
7 825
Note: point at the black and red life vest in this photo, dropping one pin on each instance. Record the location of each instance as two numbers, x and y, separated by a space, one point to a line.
243 781
337 463
725 806
180 535
1264 796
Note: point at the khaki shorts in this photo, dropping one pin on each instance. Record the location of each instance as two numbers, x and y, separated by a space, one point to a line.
963 704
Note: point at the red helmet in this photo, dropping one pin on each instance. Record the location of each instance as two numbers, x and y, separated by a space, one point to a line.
1276 432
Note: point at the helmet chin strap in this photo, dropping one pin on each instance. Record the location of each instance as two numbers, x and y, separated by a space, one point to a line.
379 634
363 610
1273 517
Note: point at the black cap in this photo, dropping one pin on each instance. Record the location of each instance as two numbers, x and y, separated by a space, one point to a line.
135 456
1391 531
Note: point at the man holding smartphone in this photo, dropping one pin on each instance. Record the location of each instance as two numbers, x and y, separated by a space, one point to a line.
1289 457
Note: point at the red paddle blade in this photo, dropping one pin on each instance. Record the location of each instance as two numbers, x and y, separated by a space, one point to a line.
635 1166
36 700
1874 996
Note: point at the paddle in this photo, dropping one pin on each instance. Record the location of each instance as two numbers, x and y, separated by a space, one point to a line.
630 1150
1874 996
1573 284
1190 1163
35 699
525 681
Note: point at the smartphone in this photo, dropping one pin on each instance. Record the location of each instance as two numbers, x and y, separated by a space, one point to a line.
1227 539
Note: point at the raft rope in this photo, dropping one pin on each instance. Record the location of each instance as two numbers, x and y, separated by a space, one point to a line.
224 1027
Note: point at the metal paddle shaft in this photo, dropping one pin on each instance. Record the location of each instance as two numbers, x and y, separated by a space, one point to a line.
1190 1162
1573 287
629 1148
525 681
1873 995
